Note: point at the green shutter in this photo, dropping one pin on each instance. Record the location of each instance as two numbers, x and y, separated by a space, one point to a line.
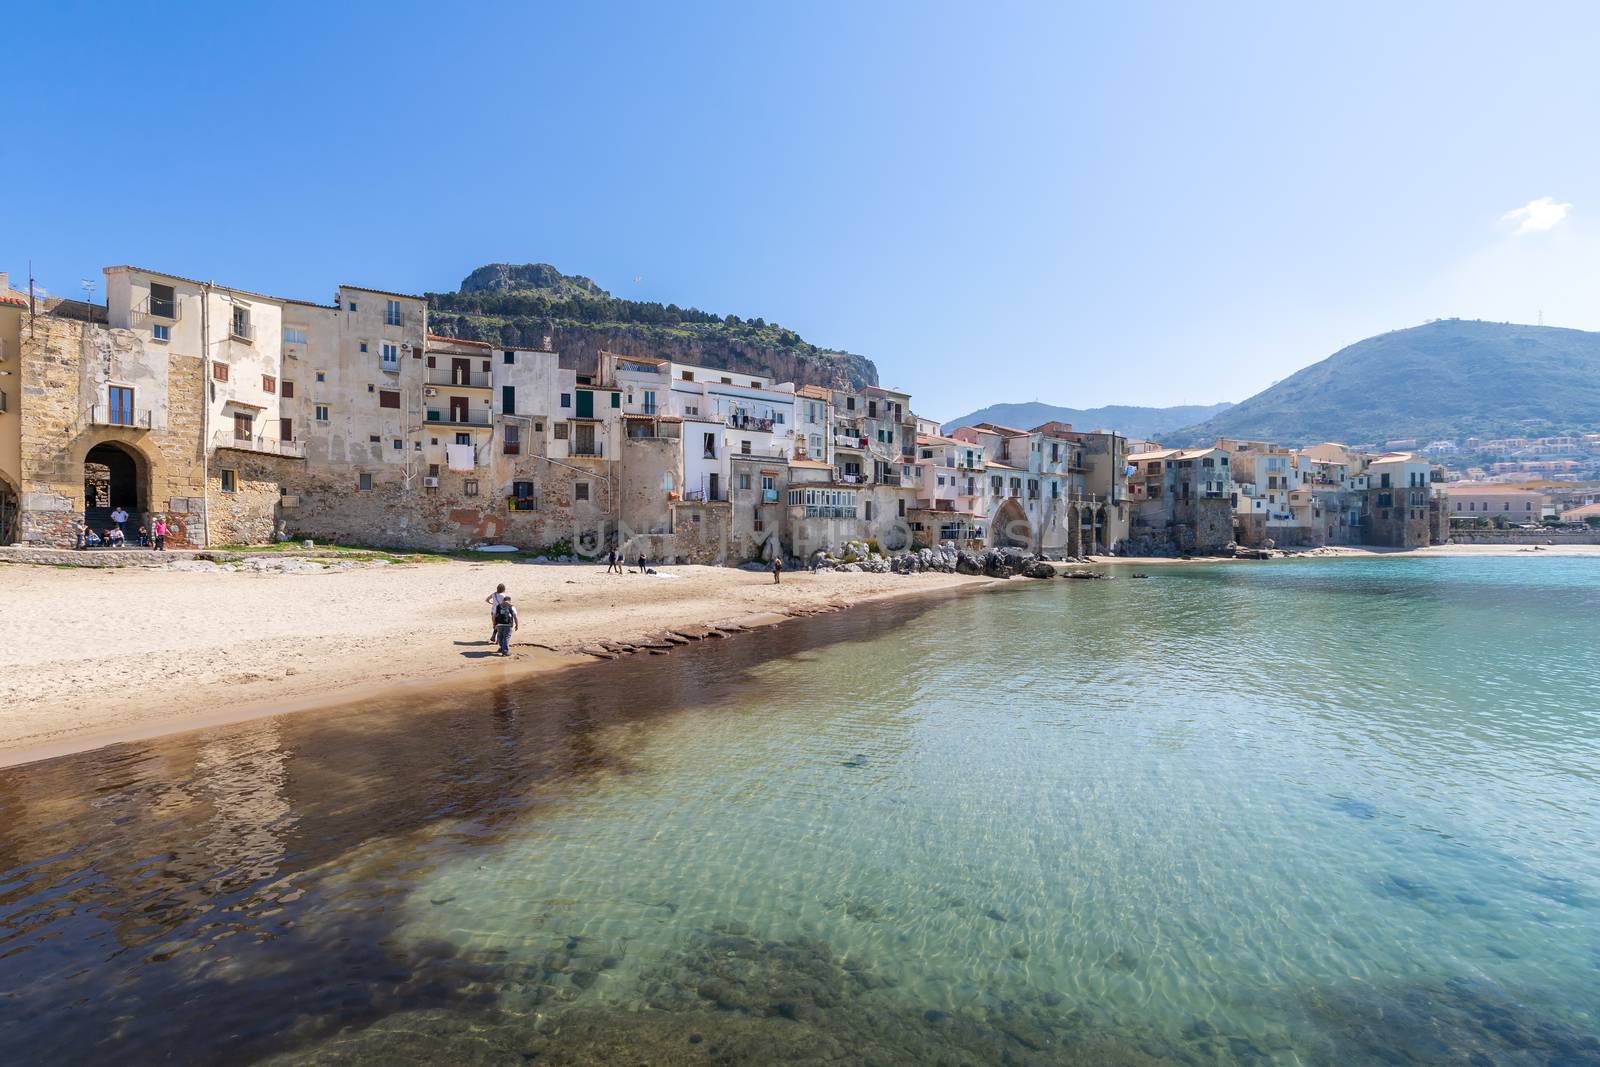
585 404
616 400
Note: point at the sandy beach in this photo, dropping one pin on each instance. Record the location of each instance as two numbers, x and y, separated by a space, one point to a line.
89 657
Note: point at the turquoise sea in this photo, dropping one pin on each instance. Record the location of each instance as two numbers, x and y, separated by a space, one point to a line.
1325 812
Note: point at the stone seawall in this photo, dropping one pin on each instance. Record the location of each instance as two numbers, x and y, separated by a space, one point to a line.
1525 537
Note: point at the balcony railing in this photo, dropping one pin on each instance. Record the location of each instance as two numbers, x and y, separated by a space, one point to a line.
449 376
889 478
244 443
106 415
703 495
844 477
453 418
243 330
586 448
156 312
841 440
769 496
738 420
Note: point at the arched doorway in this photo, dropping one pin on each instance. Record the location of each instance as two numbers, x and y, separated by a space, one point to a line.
8 514
113 477
1010 528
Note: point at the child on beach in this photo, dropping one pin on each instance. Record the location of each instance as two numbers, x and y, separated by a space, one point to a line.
505 620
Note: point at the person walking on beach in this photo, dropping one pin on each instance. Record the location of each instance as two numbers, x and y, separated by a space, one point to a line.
777 568
613 562
161 535
644 563
505 620
494 600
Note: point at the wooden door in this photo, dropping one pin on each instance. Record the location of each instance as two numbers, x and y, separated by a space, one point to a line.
242 425
460 372
458 409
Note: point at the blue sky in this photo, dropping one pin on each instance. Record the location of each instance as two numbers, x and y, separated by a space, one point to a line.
1142 203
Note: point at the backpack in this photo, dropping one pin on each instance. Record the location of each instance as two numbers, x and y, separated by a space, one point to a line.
502 614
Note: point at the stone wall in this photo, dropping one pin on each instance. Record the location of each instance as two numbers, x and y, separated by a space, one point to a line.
1462 536
701 532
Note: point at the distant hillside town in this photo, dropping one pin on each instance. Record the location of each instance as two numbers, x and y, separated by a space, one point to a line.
237 417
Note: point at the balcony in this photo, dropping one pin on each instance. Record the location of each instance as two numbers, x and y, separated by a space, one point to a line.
106 415
440 417
738 420
700 496
450 378
851 441
769 496
844 477
156 312
588 449
267 445
889 478
242 330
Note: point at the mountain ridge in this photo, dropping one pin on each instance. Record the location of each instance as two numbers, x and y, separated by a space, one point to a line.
1449 378
1129 420
523 304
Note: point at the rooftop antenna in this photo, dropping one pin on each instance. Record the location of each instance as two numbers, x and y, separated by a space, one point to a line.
87 285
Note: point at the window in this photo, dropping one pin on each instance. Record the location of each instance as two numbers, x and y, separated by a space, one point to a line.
511 439
243 426
269 384
286 429
363 346
374 439
230 481
768 484
388 398
566 400
511 357
759 525
687 375
288 390
538 427
709 442
219 371
744 481
352 311
561 431
508 399
320 413
321 377
398 444
616 400
241 323
391 355
364 483
391 313
469 487
161 333
727 381
294 335
649 401
580 491
744 448
163 301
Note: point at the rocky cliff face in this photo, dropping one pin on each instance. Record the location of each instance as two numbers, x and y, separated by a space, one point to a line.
519 277
580 346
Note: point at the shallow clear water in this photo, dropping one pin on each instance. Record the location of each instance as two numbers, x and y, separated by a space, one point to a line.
1310 812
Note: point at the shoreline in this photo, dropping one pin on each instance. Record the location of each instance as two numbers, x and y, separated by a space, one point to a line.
1366 552
330 670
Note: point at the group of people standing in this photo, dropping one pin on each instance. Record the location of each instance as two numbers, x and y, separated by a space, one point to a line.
114 536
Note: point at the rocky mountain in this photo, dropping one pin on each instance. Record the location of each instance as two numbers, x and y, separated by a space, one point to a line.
1131 421
523 304
1451 378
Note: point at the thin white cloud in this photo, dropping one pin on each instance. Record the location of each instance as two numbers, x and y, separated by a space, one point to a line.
1537 216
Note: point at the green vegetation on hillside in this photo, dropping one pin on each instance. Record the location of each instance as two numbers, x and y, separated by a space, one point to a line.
1446 379
537 292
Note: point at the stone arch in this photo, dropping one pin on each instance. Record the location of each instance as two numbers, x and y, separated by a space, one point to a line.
1074 530
10 500
122 446
1009 526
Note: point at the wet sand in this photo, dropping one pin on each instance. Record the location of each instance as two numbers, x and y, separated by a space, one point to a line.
91 657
